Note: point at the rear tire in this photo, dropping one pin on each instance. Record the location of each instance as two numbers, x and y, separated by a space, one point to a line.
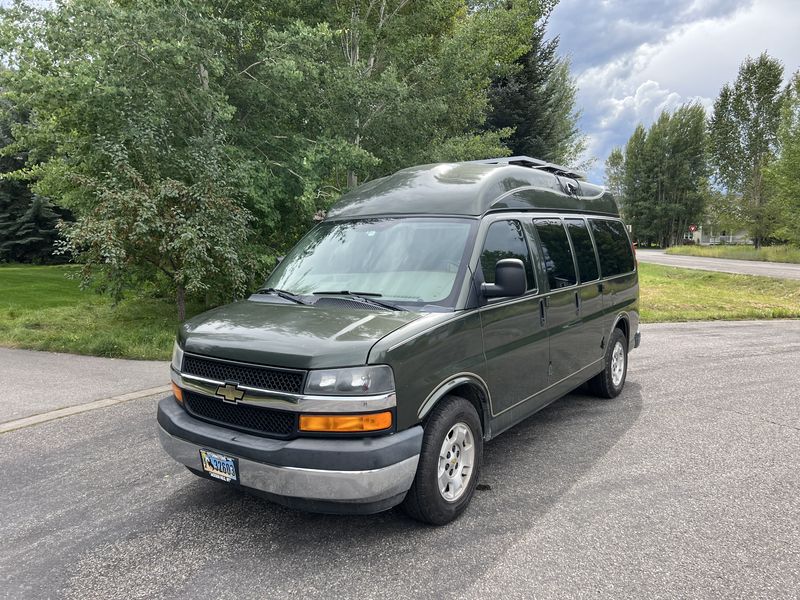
449 463
610 381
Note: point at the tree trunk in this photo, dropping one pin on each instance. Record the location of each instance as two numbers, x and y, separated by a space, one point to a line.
180 300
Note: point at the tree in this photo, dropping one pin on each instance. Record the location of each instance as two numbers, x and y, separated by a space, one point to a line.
27 227
27 221
537 101
128 130
743 136
784 174
615 176
636 184
663 175
196 139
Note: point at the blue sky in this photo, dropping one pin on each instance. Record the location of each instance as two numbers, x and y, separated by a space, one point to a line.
633 59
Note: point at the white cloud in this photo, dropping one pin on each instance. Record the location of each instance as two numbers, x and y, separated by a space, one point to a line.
645 104
598 32
656 56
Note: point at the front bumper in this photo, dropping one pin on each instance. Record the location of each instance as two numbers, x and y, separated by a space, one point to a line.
322 474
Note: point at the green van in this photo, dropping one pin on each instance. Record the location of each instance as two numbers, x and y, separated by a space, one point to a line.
429 312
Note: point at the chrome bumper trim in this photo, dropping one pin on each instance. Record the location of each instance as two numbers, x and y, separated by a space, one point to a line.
312 484
290 402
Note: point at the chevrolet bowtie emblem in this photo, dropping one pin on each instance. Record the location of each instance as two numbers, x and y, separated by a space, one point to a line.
230 392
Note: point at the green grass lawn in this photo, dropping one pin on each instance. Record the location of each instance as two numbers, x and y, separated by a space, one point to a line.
785 254
41 309
671 294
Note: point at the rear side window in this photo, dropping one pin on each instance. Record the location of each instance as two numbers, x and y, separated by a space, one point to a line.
584 249
613 247
556 253
506 240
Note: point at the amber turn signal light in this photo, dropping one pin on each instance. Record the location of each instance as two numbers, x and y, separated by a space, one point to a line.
178 393
345 423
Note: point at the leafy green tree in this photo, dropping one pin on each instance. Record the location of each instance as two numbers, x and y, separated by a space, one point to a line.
636 185
422 69
537 101
195 139
615 176
663 175
784 174
127 129
723 213
330 94
743 136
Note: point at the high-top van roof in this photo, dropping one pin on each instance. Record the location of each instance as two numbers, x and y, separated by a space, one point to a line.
475 188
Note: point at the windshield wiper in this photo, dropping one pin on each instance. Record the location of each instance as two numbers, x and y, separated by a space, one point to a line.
365 297
283 294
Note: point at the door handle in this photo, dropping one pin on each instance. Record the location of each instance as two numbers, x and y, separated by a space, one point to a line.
542 313
577 303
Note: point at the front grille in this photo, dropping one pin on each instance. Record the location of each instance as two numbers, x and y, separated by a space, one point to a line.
265 378
253 419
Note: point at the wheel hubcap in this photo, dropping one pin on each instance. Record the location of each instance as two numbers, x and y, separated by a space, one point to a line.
617 364
456 459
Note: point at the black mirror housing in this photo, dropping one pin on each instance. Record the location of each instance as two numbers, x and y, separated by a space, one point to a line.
509 279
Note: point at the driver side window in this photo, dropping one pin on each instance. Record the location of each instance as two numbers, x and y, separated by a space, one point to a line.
505 239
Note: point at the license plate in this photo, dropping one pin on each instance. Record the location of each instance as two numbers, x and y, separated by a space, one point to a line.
219 466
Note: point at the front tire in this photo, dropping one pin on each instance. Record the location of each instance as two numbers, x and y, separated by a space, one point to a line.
449 463
610 381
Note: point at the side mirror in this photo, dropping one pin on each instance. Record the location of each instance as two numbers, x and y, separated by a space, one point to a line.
509 279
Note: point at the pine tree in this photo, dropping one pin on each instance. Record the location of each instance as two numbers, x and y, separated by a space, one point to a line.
27 221
537 99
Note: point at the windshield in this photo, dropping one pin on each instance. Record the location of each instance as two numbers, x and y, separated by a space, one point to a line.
409 260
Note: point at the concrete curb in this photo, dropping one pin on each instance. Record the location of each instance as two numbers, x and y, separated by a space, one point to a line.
80 408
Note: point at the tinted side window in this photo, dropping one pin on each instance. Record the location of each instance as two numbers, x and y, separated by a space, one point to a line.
556 253
505 240
584 249
613 247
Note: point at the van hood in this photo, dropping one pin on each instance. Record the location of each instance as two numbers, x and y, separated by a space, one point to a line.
290 335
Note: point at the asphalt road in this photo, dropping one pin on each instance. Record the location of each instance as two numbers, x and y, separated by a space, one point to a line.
724 265
687 485
38 382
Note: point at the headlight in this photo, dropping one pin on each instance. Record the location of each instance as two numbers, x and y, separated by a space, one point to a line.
177 357
357 381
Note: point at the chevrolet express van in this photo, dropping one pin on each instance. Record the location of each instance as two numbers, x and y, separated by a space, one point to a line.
429 312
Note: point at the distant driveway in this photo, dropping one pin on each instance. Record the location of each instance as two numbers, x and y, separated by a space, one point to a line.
724 265
39 382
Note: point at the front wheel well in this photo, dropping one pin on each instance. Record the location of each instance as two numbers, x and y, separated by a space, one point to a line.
477 397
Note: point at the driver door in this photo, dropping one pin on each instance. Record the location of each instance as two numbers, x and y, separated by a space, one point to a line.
514 336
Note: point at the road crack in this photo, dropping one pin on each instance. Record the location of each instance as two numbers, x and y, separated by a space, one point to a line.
753 415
